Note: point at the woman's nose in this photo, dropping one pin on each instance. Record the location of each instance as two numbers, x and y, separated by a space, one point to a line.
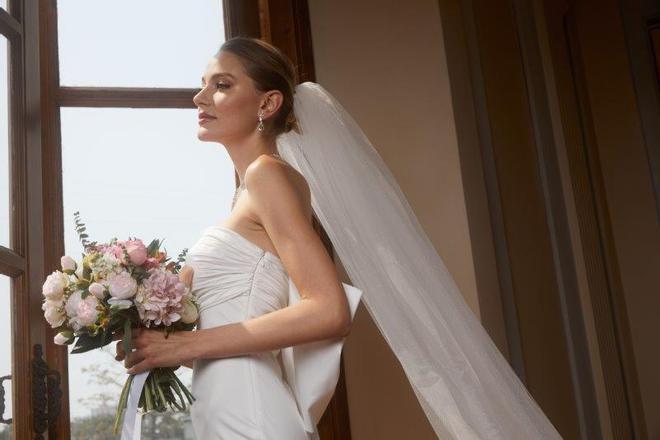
198 98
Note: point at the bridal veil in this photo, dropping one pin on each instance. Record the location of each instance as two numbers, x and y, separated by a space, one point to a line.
465 386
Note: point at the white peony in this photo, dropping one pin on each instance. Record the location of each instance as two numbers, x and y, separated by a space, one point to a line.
53 287
53 312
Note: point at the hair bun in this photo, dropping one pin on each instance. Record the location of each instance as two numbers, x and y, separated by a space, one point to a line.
292 123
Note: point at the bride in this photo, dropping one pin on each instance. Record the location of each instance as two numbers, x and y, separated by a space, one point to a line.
273 311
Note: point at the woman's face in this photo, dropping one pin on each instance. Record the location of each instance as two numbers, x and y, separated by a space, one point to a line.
229 97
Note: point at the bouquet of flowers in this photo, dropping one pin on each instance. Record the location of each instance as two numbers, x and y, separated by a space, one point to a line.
116 287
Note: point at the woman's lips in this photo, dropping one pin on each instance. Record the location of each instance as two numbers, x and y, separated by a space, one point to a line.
204 119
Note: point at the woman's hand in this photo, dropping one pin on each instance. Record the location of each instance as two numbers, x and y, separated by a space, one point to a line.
186 276
151 350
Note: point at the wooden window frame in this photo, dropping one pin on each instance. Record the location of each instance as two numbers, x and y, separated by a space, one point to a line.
23 261
37 237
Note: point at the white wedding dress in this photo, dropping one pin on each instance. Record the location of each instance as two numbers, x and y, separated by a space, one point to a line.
240 397
278 394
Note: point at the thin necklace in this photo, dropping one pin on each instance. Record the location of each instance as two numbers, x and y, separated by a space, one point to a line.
240 188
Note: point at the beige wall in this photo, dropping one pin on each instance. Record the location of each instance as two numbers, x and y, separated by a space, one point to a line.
385 61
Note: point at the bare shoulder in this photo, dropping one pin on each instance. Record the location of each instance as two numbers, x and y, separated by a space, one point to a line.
277 179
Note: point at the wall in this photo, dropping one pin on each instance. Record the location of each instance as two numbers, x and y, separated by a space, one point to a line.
385 62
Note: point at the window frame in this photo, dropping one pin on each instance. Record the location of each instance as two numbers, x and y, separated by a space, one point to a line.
38 218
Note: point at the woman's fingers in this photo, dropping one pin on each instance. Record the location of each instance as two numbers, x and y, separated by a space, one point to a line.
133 358
120 351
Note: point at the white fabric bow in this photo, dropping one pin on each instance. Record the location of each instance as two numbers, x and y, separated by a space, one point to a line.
312 369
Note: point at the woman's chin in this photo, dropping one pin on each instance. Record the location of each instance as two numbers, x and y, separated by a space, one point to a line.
204 135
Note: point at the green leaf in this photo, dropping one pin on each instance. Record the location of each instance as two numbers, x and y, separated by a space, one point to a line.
87 342
153 247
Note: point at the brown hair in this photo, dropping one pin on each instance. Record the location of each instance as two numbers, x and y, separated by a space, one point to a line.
270 69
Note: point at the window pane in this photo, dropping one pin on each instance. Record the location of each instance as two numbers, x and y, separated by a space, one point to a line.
4 145
5 350
143 173
149 43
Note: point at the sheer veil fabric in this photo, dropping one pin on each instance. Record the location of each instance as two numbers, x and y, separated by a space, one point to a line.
465 386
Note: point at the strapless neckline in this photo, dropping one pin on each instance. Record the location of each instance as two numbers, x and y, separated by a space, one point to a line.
255 246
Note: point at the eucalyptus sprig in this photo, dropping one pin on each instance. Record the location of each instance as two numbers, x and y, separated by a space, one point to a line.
82 234
181 258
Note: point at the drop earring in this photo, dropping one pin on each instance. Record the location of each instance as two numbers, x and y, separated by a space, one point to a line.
260 126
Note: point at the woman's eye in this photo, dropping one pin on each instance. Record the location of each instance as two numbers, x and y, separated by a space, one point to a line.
222 86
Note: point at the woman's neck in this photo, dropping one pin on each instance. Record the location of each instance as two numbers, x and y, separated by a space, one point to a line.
245 152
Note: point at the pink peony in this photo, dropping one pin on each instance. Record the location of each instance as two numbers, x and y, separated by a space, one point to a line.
160 298
97 289
122 285
81 312
87 311
137 251
68 263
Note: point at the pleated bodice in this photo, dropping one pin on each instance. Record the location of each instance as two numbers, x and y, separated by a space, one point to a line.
227 266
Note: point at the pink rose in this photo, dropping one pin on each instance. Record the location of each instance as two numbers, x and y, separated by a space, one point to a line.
152 263
137 251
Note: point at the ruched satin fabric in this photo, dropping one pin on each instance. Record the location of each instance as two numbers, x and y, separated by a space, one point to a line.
240 397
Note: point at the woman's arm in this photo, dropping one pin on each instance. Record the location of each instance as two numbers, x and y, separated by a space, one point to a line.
322 313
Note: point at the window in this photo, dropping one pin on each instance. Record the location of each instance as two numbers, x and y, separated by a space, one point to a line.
138 172
134 172
150 43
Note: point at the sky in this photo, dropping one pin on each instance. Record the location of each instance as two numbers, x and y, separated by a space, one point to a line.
130 172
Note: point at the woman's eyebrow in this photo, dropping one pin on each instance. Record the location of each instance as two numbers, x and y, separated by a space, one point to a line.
215 75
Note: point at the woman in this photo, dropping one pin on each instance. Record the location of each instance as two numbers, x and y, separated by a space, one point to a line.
246 100
465 386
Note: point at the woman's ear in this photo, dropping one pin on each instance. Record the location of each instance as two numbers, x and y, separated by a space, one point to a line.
272 102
